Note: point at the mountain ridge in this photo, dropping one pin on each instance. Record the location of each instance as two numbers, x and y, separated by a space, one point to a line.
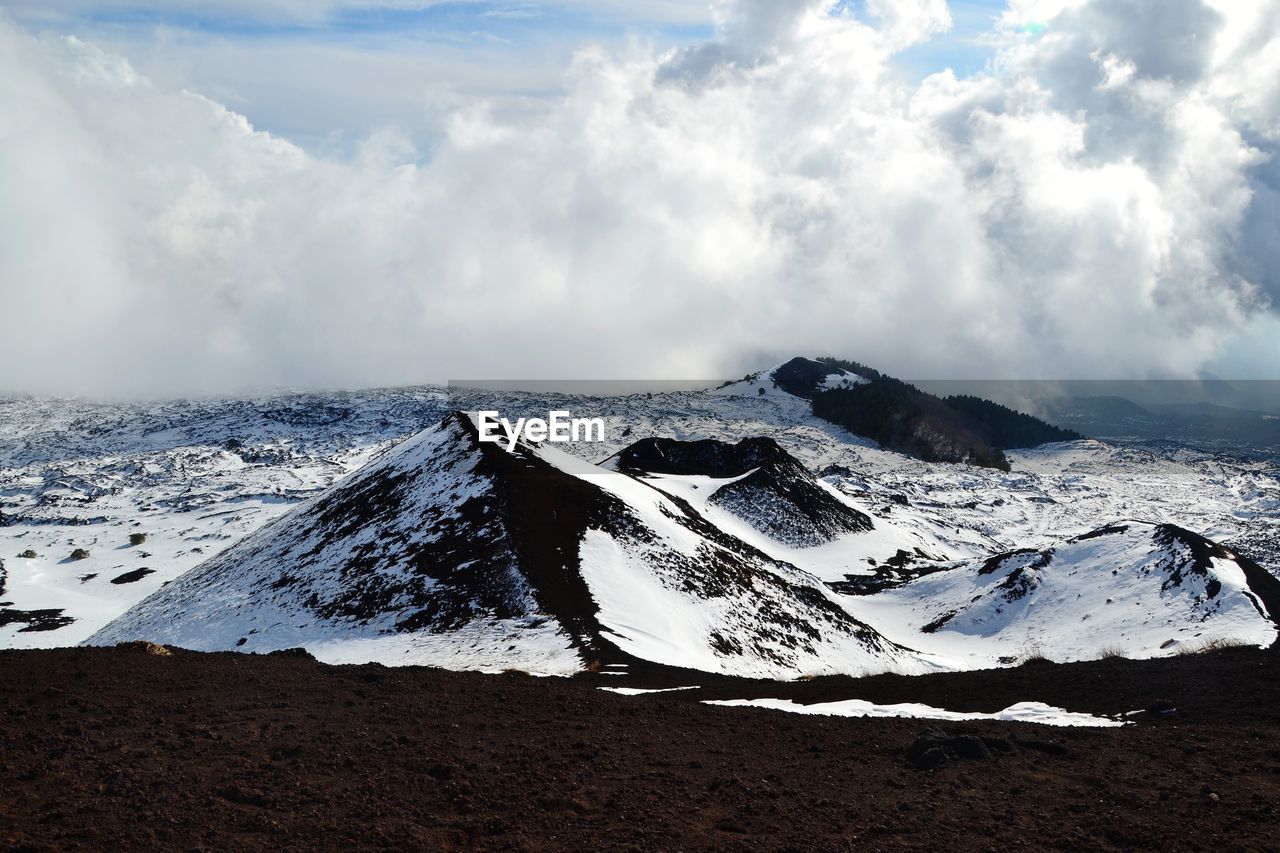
447 548
901 417
569 548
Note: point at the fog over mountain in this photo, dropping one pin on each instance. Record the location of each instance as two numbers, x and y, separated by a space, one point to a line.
1099 202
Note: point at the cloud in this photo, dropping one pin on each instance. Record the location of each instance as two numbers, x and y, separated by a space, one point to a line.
319 13
1096 205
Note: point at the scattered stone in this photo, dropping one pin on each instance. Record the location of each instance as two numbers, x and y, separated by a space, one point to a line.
1048 747
145 647
28 555
244 796
137 538
935 748
968 746
998 744
79 554
131 577
931 759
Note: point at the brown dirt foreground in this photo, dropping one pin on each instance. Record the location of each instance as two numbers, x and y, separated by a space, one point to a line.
116 749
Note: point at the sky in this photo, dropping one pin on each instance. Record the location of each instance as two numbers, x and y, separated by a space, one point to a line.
210 196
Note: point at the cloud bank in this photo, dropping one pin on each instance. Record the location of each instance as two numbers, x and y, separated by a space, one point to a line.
1102 202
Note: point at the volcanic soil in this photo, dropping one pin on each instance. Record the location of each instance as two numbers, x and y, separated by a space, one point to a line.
129 749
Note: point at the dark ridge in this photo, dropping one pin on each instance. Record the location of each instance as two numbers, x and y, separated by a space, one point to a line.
851 366
1106 407
991 564
903 418
778 497
1003 427
788 506
727 569
939 623
895 572
803 377
1264 585
546 512
11 520
464 572
1019 582
708 457
1109 530
1203 551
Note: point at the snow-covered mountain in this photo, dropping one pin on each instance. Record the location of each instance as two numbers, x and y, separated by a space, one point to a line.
705 555
541 560
197 477
1130 588
756 481
796 377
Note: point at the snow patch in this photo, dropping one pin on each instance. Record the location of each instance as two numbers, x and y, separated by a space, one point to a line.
1022 712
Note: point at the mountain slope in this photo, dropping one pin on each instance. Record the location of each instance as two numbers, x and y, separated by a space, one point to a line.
763 485
901 417
800 377
1133 589
412 541
455 552
196 477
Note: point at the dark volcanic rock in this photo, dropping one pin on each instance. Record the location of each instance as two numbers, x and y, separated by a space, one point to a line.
34 620
707 457
805 377
133 576
775 494
934 748
1262 584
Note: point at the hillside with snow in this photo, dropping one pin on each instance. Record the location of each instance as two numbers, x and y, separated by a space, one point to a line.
286 520
448 551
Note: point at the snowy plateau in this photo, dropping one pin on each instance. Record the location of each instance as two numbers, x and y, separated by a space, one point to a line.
729 531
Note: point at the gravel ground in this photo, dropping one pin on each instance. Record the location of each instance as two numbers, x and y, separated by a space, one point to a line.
123 749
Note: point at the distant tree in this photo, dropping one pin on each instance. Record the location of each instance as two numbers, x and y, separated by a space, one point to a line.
851 366
1004 427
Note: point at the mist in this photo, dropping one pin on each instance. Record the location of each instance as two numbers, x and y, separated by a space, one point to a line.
1099 203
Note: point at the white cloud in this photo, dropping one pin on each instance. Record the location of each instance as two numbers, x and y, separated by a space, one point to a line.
1098 205
320 12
